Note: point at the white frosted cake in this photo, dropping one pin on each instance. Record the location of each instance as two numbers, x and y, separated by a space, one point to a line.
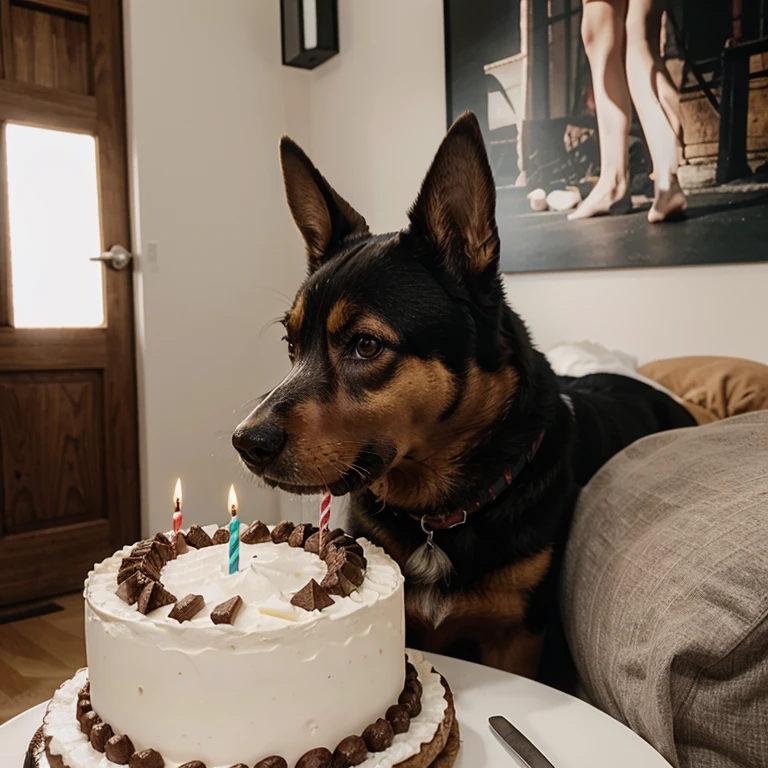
295 660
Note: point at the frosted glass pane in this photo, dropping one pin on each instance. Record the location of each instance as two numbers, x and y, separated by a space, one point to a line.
53 205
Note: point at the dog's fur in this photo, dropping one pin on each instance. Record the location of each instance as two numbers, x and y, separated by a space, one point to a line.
414 386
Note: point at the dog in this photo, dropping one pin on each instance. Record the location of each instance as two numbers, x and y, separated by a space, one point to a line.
416 391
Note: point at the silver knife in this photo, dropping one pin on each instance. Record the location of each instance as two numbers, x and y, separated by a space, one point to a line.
518 743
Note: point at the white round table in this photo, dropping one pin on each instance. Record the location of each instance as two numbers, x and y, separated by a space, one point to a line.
569 732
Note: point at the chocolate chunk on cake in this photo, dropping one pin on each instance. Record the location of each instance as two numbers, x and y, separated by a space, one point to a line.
154 596
300 534
187 608
312 597
282 532
255 533
226 612
198 538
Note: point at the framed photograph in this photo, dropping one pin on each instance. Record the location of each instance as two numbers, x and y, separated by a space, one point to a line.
521 66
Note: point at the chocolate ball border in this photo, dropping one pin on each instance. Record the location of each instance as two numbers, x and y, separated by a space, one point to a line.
376 737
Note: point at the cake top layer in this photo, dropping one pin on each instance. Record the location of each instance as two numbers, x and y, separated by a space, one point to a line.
270 575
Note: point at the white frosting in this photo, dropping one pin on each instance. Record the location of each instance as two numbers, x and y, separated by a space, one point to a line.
281 680
67 741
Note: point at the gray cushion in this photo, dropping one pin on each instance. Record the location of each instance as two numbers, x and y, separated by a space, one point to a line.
665 592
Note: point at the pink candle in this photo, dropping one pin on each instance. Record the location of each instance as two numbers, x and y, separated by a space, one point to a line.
177 517
325 517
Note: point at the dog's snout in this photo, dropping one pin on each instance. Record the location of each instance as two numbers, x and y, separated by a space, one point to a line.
258 443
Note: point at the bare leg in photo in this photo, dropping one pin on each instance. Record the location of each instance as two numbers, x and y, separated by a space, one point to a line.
603 32
656 101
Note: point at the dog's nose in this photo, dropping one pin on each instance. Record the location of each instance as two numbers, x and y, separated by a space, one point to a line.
259 443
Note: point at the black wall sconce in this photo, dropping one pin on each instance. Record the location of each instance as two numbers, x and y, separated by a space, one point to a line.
310 32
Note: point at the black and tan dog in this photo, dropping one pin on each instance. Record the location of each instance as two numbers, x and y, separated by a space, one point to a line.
416 390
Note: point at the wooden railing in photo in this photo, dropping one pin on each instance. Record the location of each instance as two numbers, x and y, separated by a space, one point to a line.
734 108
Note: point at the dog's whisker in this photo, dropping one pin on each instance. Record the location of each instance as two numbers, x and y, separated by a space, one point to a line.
285 300
362 444
340 467
343 475
321 476
270 324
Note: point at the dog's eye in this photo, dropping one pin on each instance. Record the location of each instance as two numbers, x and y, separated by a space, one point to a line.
367 347
291 347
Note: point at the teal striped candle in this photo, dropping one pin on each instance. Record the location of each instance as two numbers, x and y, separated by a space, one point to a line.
234 533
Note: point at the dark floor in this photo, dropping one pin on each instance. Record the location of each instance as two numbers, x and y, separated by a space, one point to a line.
719 227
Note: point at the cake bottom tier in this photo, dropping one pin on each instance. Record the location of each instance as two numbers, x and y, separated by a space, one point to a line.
432 740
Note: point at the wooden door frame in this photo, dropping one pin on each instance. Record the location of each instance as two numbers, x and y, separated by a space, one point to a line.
122 476
111 348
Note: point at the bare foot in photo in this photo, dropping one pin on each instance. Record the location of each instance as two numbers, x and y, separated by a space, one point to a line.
667 203
606 198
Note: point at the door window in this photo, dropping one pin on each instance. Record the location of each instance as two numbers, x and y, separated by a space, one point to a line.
53 210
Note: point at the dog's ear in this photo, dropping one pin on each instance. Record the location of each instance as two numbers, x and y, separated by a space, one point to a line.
455 211
323 217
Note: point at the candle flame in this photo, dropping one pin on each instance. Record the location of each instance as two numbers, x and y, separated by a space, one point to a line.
232 501
177 495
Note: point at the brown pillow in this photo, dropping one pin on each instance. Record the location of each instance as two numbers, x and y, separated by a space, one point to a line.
713 388
665 592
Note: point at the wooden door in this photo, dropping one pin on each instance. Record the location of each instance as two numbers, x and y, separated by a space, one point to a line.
69 489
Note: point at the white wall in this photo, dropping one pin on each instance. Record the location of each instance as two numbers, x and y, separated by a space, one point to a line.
378 113
651 313
208 99
378 108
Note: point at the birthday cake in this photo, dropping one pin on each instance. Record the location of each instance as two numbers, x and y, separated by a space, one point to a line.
297 658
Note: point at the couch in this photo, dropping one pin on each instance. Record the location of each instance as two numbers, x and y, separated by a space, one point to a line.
664 589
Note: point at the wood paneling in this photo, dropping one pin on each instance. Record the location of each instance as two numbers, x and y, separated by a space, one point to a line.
50 563
52 446
73 7
50 49
6 47
47 107
45 349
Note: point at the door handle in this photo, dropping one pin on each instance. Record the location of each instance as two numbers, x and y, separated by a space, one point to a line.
117 257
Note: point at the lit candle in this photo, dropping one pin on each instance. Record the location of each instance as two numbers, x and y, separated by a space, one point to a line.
234 532
325 518
177 508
